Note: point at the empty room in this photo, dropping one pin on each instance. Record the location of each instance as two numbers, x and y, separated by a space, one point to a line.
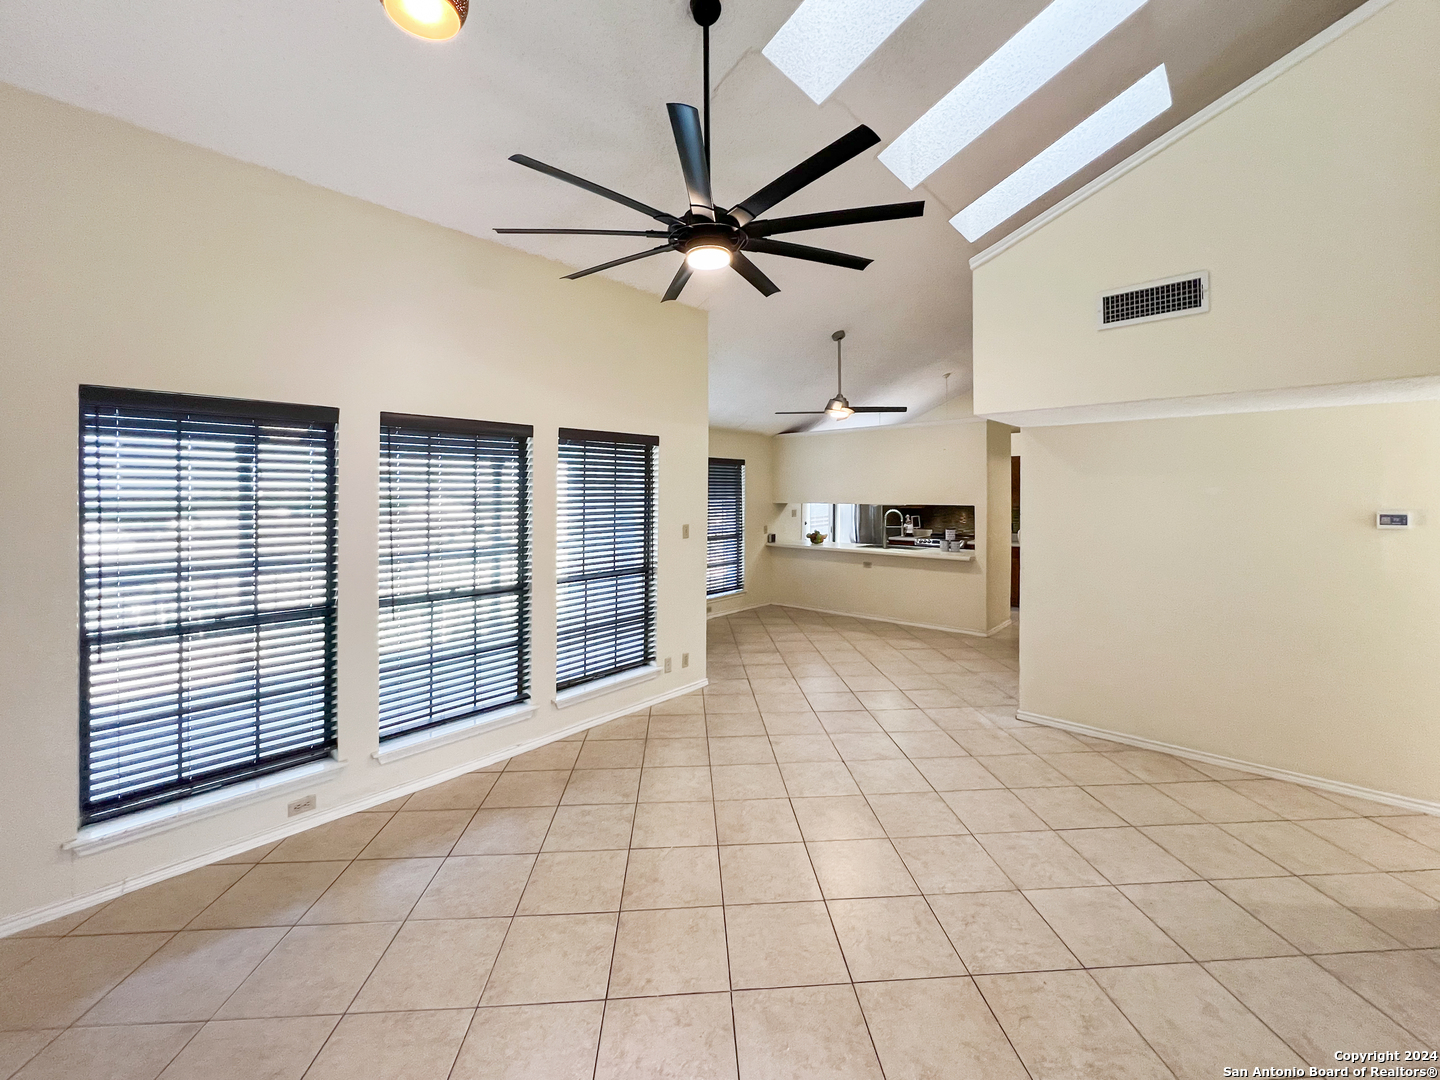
719 540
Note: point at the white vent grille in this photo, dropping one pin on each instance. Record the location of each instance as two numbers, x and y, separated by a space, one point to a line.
1168 299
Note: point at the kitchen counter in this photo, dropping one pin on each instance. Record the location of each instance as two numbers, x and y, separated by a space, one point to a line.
883 553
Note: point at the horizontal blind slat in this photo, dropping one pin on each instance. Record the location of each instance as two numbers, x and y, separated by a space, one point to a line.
207 594
605 560
454 570
725 532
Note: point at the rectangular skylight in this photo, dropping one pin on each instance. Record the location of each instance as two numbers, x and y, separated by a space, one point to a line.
1035 55
1105 129
825 40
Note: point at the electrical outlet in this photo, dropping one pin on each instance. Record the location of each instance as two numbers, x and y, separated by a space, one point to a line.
300 806
792 513
684 659
867 565
667 665
684 532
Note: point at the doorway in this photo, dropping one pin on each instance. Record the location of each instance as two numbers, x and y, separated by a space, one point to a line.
1015 531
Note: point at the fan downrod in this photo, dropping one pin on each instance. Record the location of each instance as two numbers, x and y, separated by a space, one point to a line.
705 12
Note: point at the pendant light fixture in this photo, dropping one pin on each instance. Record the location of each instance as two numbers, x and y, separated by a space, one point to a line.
434 20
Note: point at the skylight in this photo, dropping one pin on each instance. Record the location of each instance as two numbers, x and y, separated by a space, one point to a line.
1103 130
825 40
1030 59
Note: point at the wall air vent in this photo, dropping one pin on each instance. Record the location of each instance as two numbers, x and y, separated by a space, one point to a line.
1168 299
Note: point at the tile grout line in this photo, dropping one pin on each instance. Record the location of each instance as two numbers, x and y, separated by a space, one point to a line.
1110 885
964 967
879 648
624 880
724 908
829 915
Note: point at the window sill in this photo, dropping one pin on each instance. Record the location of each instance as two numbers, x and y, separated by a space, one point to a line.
709 597
409 745
586 691
108 834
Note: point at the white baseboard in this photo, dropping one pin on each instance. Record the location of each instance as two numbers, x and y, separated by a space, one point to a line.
897 622
735 611
13 924
1339 787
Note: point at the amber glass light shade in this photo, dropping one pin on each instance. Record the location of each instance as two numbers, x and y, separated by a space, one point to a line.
434 20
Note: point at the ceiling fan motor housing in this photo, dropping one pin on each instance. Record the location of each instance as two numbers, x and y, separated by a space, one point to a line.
705 12
706 233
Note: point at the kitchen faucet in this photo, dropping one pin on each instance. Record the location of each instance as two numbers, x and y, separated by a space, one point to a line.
885 524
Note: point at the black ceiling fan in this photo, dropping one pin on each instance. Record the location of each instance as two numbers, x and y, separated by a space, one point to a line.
837 407
710 237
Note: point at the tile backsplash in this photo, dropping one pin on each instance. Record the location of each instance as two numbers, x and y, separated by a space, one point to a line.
940 518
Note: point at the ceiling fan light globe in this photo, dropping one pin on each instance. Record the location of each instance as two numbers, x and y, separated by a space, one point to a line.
708 257
839 409
434 20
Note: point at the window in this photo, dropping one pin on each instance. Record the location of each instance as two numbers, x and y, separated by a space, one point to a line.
725 534
606 555
207 612
838 521
454 570
818 517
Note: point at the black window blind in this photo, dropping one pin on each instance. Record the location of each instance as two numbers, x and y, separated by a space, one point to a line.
454 570
606 555
207 611
725 532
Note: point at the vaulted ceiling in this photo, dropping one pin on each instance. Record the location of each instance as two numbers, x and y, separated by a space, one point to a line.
329 91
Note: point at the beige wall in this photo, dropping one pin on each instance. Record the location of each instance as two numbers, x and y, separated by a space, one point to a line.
758 453
131 260
1218 583
942 463
1314 203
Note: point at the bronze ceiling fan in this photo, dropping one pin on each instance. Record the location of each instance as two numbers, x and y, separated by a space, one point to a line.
711 237
837 407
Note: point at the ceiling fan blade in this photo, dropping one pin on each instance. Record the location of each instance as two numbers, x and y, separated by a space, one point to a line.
619 262
807 172
753 274
690 141
595 189
879 408
831 218
677 283
586 232
794 412
810 254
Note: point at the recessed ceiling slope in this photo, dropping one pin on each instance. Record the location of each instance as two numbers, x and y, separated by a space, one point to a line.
826 40
1045 46
1062 159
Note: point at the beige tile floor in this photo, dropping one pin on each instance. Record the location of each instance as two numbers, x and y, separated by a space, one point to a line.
845 859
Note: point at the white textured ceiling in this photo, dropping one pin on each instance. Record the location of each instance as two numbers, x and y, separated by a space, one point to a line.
331 92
